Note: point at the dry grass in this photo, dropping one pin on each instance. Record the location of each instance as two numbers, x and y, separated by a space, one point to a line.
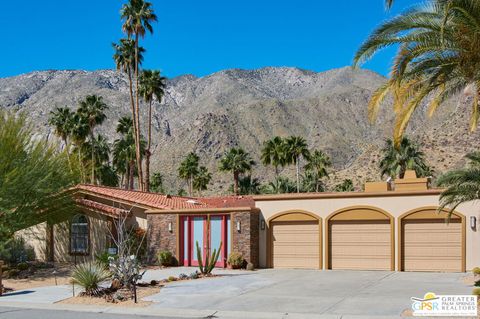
41 278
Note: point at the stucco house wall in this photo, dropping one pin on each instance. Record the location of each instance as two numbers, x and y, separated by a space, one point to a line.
394 203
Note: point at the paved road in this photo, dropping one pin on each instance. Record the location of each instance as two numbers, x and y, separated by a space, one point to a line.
21 313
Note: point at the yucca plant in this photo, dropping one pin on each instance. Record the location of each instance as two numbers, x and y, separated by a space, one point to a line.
210 261
89 276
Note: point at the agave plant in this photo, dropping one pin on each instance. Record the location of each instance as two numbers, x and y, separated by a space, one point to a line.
89 276
210 261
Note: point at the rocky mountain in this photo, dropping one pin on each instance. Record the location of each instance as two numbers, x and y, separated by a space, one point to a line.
237 107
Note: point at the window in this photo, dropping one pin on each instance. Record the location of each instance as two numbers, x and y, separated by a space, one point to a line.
79 237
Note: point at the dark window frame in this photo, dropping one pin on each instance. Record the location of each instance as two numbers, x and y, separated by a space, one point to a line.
76 235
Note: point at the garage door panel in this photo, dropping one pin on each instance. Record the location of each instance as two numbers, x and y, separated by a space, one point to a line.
360 245
296 245
432 245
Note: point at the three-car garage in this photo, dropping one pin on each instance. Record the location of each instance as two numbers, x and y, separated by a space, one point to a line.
368 238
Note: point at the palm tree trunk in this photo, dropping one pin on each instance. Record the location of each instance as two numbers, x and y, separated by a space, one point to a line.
276 178
134 117
235 183
297 164
93 158
149 143
132 175
137 113
80 163
65 140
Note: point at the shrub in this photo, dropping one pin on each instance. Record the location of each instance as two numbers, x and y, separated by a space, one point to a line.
476 271
16 251
22 266
477 283
165 258
210 261
193 275
250 267
172 278
89 276
476 291
235 260
104 259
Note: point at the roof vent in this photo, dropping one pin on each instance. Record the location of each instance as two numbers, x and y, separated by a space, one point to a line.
192 201
168 196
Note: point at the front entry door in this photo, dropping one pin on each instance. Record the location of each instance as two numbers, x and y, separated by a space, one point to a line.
209 233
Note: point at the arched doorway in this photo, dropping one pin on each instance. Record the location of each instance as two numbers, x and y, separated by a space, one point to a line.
429 243
361 238
295 240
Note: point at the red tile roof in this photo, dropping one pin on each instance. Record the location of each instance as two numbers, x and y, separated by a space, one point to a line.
101 208
167 202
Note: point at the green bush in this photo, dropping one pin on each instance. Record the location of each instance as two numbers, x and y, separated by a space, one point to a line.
165 258
22 266
476 291
476 271
16 251
235 260
103 259
89 276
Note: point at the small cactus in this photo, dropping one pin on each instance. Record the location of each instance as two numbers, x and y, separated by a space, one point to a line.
210 261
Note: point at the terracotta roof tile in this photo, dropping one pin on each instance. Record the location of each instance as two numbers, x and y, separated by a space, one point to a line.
151 200
101 208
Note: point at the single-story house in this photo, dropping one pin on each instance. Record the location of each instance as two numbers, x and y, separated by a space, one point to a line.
388 226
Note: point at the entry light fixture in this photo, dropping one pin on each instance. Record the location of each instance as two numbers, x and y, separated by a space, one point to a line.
262 224
473 222
170 229
238 226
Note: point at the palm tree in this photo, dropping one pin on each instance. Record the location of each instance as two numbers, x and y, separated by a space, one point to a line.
345 186
125 56
281 186
463 185
93 110
437 58
273 153
156 183
396 160
296 147
152 84
189 169
202 179
318 163
236 161
62 119
80 131
248 185
138 16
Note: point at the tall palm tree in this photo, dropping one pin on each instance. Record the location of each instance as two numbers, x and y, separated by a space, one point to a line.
138 16
397 160
152 85
236 161
93 110
126 53
80 131
318 163
62 119
438 58
101 160
189 169
273 153
463 185
202 179
296 148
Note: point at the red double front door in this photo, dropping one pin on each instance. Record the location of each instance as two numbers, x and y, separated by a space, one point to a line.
209 232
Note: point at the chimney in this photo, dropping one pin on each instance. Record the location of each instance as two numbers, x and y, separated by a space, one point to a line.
371 187
410 182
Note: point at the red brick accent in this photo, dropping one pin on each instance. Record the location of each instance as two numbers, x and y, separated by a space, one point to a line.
158 237
246 241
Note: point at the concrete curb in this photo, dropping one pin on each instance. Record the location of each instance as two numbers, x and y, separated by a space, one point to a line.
184 313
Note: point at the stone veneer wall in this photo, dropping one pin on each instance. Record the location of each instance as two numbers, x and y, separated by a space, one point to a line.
246 241
158 236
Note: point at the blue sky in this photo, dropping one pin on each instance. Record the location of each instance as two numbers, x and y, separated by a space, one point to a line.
191 36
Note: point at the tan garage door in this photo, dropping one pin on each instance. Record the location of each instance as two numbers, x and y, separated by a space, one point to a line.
364 245
432 245
296 244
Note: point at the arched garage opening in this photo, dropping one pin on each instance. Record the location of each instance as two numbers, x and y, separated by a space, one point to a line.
295 240
429 243
360 238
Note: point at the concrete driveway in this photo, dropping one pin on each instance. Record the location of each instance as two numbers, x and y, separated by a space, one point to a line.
359 293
